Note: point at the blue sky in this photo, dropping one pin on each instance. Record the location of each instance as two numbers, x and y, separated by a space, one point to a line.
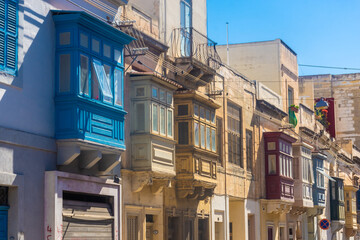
321 32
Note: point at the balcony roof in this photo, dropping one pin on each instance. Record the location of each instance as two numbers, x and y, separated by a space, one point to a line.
90 22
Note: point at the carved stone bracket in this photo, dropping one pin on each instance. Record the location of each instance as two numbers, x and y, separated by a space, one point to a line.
277 206
139 181
194 190
295 210
315 211
158 185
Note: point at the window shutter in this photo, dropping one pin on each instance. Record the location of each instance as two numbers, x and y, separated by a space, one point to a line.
11 52
2 33
8 35
2 49
11 17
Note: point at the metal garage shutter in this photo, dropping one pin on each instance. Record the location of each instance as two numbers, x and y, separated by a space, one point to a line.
87 220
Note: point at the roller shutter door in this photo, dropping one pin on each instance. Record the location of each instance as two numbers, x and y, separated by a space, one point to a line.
87 220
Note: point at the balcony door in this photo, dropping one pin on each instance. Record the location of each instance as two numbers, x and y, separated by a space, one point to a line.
185 25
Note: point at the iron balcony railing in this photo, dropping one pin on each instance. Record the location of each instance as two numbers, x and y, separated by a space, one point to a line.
189 43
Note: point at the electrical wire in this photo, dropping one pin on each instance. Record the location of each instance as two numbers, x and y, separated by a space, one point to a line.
317 66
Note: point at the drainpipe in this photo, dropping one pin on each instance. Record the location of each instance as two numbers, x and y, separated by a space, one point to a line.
226 223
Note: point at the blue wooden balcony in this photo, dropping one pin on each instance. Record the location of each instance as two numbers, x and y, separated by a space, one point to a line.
89 92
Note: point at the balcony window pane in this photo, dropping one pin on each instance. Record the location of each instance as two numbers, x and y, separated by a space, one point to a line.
183 132
95 46
208 115
208 138
154 92
162 121
107 51
213 141
196 134
272 164
196 110
183 110
202 112
202 136
102 80
64 73
140 117
118 86
213 117
117 56
84 74
162 96
290 168
169 98
107 69
65 38
155 122
84 40
94 85
170 123
281 165
140 92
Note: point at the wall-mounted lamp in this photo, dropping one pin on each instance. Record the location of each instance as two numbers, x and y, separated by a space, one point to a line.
321 104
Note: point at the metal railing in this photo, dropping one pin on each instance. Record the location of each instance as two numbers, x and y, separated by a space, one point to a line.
189 43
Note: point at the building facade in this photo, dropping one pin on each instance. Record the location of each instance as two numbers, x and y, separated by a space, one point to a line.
120 120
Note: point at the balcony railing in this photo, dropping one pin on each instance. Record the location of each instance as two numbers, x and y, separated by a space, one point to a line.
189 43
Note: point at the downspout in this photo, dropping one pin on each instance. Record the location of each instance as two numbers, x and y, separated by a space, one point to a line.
226 223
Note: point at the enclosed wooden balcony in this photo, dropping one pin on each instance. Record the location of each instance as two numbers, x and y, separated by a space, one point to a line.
350 209
196 152
279 166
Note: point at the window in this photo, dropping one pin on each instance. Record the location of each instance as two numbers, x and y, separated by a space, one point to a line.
154 92
140 92
84 75
213 140
65 38
169 98
182 110
102 80
84 40
162 121
185 24
8 36
290 96
196 110
155 123
196 134
208 143
140 116
202 134
107 51
219 137
132 227
118 86
272 164
235 135
161 112
207 131
162 96
249 150
64 73
183 132
170 123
